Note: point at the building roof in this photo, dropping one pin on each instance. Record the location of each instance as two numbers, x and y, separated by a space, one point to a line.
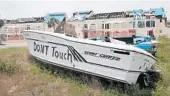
108 15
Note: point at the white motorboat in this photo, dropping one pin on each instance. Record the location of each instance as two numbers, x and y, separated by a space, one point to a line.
120 62
116 61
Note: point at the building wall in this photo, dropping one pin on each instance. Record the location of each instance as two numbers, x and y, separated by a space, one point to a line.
126 22
98 28
10 28
123 25
13 31
159 29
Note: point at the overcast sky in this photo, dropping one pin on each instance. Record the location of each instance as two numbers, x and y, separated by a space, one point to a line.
18 9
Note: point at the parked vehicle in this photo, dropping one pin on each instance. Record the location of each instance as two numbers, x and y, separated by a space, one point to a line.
143 42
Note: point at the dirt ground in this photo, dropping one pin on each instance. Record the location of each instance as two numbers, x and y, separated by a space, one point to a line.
13 43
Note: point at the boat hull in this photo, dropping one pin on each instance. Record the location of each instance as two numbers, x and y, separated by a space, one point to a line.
88 57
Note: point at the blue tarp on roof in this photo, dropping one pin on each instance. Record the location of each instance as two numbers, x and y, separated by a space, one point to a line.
59 16
158 11
140 11
56 14
82 12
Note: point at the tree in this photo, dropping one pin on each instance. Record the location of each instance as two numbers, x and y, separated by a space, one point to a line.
53 22
1 23
1 36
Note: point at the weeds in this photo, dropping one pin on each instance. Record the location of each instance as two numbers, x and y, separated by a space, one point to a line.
163 62
47 75
9 67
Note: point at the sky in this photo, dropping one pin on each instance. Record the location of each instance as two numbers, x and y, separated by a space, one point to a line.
36 8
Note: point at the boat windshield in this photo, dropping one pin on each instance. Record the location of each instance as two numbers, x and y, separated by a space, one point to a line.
108 39
102 39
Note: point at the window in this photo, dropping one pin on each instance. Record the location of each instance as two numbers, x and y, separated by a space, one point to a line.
117 25
92 27
102 26
38 27
160 20
107 34
106 26
85 26
130 22
134 24
141 24
138 41
168 23
94 39
148 24
152 23
85 35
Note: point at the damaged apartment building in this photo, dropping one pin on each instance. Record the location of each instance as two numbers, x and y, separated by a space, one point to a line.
151 22
88 24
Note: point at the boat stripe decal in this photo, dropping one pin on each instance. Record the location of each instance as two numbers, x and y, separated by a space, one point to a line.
74 53
79 54
90 62
75 58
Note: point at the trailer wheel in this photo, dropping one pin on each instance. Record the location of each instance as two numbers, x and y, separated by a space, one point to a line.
142 81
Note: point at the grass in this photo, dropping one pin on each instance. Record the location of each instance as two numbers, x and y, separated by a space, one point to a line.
23 75
163 62
8 67
30 78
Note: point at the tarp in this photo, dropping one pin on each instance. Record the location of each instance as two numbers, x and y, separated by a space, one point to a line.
138 11
158 11
58 16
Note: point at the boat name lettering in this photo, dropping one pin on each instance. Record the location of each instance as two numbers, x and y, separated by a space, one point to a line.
41 48
61 55
102 55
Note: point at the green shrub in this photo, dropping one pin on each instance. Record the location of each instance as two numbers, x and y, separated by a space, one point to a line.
44 73
8 67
